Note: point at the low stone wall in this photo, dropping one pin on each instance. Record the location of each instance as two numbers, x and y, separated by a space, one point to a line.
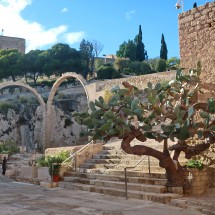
29 172
138 81
54 151
82 156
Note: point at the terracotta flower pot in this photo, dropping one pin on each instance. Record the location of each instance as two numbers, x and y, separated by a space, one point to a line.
56 178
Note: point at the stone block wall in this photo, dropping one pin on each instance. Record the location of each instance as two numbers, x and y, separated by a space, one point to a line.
199 182
138 81
12 43
197 41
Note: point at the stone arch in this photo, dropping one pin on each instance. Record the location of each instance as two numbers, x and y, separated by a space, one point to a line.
51 97
39 98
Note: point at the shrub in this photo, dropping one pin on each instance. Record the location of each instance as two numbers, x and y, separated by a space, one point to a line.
41 161
4 106
53 162
161 65
9 147
23 100
107 71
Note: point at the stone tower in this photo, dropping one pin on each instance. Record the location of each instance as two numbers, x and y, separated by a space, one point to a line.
12 43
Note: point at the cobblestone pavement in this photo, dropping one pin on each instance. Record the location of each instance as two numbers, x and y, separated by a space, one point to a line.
26 199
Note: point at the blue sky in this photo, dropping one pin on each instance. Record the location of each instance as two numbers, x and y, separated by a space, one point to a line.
44 23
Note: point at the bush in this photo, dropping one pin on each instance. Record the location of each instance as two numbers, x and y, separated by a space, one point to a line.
53 162
41 161
4 106
161 65
107 71
9 147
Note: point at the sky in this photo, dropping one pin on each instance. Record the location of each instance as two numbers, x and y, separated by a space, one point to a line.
44 23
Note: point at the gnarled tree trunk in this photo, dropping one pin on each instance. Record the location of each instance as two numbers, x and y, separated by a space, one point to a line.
174 172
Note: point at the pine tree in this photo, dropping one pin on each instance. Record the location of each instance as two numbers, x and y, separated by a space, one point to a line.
163 51
140 51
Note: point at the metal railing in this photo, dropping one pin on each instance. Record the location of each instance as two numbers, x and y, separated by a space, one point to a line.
74 154
132 167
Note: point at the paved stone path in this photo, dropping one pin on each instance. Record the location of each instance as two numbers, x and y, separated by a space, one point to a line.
4 179
25 199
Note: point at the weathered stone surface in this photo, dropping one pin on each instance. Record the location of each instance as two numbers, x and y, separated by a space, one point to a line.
197 36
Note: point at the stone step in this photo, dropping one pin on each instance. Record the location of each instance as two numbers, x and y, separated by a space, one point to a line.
117 184
116 156
156 197
133 179
104 168
132 158
204 207
121 172
103 161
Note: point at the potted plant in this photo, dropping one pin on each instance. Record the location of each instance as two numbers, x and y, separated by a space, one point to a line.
195 164
54 164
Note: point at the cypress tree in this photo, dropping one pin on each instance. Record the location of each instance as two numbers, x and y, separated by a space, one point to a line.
140 51
163 51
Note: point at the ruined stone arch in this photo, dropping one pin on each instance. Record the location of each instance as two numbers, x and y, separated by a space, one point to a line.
51 97
39 98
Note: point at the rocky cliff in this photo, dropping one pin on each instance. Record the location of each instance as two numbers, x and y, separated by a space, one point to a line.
23 122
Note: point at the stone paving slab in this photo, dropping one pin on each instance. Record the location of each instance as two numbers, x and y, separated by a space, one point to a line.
26 199
5 179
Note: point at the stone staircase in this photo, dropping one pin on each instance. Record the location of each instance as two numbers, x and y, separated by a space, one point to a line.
104 173
204 203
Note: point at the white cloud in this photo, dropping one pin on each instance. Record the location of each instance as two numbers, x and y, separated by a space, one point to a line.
64 10
74 37
36 35
129 14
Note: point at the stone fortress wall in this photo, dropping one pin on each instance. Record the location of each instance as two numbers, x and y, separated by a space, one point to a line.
12 43
197 41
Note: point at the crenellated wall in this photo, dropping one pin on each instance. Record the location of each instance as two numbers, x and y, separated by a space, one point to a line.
197 41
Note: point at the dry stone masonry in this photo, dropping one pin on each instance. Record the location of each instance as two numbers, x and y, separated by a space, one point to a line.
197 41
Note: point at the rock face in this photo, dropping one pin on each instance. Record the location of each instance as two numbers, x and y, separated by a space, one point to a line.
24 123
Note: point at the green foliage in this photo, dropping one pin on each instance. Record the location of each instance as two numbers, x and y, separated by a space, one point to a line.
173 63
4 106
163 50
134 50
195 164
107 71
87 57
161 65
41 161
121 63
160 111
9 61
23 99
9 147
53 162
